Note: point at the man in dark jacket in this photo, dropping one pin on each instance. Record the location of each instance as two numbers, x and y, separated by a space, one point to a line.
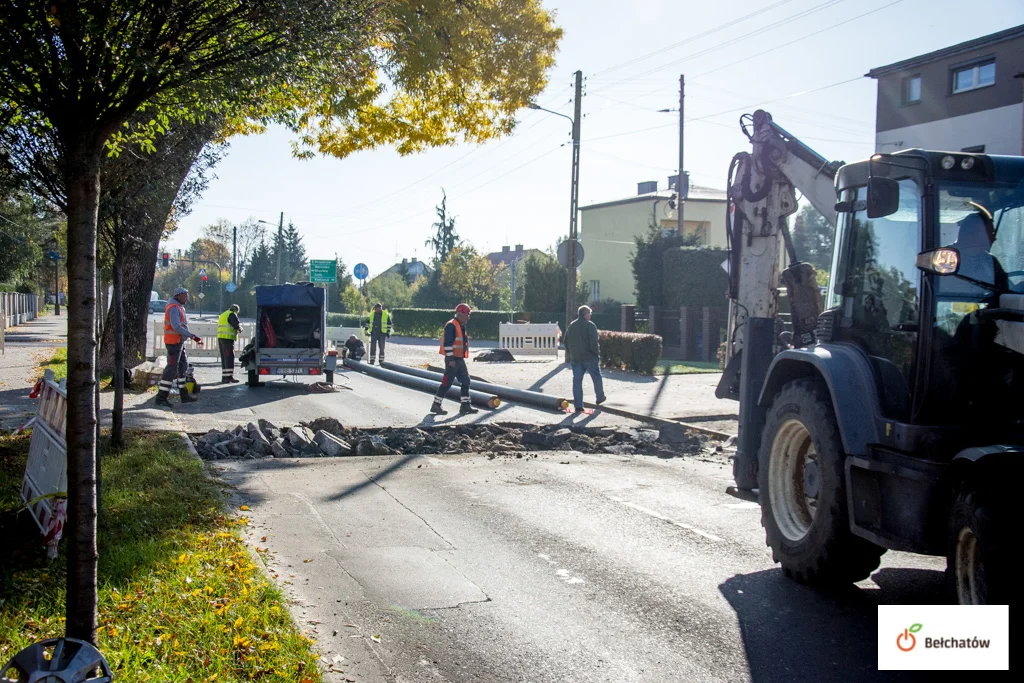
355 348
583 352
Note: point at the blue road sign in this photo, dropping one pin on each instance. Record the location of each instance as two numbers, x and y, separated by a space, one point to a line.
54 256
360 271
230 286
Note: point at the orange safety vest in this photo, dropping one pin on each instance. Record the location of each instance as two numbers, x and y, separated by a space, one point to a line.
458 348
170 336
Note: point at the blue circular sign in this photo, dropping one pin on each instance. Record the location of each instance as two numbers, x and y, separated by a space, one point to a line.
360 271
230 286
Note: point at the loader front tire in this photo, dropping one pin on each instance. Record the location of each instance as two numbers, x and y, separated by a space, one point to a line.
803 493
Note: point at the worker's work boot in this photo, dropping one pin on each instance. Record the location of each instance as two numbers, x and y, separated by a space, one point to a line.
187 397
162 400
372 359
467 408
437 409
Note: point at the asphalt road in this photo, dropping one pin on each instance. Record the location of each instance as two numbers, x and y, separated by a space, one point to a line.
559 567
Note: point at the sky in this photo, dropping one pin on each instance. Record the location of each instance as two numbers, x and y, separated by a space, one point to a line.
801 60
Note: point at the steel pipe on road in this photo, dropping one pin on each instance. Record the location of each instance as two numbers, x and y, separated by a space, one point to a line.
428 384
533 398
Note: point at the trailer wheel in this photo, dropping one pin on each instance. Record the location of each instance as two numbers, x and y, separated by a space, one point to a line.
329 376
978 557
254 379
803 492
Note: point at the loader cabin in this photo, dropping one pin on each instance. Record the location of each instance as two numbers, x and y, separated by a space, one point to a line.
926 243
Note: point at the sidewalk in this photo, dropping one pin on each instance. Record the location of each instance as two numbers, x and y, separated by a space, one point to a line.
686 398
26 346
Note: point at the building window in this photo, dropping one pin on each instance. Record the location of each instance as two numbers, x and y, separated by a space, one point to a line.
974 76
977 149
912 89
595 290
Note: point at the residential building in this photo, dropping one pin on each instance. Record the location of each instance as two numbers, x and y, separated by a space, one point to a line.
608 231
964 98
410 269
507 256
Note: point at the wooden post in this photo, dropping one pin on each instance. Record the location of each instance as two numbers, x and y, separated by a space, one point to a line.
628 323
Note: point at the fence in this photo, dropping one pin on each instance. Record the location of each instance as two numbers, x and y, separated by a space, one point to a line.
16 309
46 473
529 339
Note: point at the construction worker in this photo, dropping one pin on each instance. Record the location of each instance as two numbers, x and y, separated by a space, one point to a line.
355 348
228 328
175 332
455 349
379 329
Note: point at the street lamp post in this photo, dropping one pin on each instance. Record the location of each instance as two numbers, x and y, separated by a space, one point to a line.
681 178
54 254
570 291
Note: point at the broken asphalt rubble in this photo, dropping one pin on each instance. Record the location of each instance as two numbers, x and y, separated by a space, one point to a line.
326 437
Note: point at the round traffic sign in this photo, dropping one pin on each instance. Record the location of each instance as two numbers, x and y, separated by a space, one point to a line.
230 286
360 271
563 254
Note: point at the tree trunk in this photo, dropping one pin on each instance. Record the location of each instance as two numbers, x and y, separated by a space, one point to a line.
117 418
137 273
82 180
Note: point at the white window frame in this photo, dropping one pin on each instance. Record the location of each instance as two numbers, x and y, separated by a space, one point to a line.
975 70
595 290
906 89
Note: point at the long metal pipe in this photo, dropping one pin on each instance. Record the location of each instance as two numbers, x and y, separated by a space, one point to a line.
478 398
533 398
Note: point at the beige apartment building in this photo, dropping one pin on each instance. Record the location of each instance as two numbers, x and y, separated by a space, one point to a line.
608 230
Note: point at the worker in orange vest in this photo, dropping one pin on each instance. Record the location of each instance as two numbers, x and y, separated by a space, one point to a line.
455 349
175 332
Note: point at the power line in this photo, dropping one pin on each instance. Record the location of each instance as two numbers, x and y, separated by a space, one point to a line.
691 38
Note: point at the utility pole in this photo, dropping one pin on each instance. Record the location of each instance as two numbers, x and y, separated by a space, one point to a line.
681 182
234 254
280 240
570 293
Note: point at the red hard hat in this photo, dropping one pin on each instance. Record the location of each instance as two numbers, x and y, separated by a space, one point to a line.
462 308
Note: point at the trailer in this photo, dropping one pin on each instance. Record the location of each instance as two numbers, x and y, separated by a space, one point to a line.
291 334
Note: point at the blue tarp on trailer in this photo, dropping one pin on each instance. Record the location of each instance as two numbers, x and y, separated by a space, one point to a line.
290 295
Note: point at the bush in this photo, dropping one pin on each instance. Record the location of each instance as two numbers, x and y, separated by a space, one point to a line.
694 278
630 351
344 320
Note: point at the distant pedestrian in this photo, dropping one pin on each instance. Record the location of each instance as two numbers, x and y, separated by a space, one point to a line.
175 333
379 329
455 349
583 351
355 348
228 328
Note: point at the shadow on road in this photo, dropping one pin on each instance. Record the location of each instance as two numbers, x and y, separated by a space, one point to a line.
793 632
372 479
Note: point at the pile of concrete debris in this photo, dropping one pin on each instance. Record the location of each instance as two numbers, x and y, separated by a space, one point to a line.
326 437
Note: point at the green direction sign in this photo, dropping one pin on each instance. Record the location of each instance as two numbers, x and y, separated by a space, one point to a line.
323 271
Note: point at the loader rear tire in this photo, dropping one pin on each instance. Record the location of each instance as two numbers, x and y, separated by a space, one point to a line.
979 555
802 491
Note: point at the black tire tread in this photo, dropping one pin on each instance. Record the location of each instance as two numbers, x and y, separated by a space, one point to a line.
843 557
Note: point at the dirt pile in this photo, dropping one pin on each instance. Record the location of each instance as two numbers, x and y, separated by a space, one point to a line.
326 437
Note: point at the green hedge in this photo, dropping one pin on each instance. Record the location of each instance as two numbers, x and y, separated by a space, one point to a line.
343 320
630 351
694 278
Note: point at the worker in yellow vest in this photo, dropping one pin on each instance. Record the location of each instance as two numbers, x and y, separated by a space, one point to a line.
455 349
175 333
227 332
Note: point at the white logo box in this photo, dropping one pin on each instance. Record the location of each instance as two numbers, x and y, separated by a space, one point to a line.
944 637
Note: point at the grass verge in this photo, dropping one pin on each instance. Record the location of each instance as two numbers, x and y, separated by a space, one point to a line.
180 599
58 363
690 367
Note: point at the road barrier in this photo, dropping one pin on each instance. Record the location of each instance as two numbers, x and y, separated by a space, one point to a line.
533 398
336 336
44 488
478 398
529 339
16 309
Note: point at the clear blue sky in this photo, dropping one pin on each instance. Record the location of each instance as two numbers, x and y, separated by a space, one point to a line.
376 206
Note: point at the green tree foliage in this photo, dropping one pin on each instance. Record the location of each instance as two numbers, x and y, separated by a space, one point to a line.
445 239
390 290
546 284
25 229
694 278
469 277
260 269
812 238
648 263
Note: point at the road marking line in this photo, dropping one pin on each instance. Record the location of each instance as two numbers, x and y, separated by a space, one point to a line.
657 515
741 506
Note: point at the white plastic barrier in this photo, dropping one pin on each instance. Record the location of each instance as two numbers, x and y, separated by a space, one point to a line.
46 472
207 331
337 336
529 339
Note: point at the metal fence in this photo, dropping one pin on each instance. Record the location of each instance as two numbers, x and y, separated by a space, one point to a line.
16 309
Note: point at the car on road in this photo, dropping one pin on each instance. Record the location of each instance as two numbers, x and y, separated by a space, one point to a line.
157 306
